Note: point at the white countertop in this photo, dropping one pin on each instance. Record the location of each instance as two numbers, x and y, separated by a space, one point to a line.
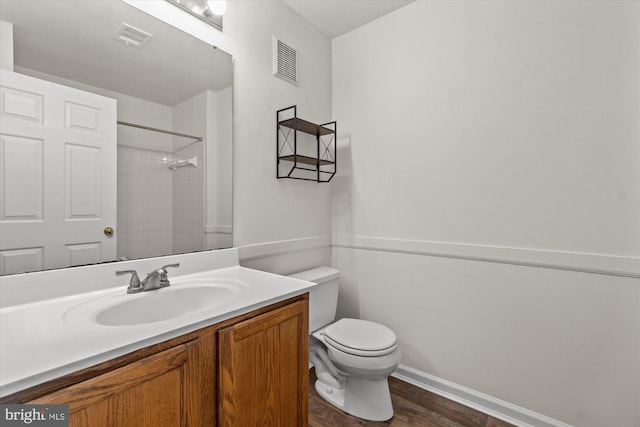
40 341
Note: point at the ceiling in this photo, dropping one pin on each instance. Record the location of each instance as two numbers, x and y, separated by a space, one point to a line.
336 17
75 40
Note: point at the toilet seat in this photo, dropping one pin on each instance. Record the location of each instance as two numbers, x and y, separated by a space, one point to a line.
360 337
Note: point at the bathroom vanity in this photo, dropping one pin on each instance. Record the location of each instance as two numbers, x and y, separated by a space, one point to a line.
241 364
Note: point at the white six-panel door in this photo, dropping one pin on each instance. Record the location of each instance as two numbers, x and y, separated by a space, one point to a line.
57 175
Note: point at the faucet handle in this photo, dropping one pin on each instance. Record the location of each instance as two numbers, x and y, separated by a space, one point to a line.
162 271
134 282
176 265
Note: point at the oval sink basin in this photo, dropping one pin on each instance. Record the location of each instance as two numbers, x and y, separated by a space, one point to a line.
156 306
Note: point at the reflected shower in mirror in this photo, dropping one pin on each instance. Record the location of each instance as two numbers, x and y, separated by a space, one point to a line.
150 178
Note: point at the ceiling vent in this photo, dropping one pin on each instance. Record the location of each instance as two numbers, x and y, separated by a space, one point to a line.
285 62
132 36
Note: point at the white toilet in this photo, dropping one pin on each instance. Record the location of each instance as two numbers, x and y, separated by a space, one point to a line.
353 358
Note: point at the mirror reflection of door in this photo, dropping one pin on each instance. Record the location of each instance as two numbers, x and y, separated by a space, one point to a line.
61 140
174 82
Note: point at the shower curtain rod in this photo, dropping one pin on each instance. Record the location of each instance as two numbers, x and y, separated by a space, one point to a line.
184 135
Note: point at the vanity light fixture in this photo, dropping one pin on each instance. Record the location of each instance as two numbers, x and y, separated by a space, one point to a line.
209 11
217 7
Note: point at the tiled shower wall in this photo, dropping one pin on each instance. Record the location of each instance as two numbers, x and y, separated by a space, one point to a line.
144 203
160 211
188 201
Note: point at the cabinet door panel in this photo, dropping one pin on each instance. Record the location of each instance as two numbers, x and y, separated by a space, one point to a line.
148 392
152 403
92 416
263 369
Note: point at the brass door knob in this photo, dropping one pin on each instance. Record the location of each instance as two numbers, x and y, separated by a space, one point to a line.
108 231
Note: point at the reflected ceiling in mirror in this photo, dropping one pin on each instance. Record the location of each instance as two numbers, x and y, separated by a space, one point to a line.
172 85
209 11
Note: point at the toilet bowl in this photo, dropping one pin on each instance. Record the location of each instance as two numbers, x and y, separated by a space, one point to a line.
353 358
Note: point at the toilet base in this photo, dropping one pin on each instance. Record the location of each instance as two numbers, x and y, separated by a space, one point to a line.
364 398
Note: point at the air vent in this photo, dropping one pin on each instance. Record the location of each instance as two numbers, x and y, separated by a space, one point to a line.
133 36
285 62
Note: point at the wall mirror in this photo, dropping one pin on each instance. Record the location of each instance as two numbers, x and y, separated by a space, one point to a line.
86 179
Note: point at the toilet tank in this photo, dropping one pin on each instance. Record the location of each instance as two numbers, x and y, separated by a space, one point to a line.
323 298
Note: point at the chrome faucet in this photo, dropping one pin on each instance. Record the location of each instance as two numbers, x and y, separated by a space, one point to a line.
154 280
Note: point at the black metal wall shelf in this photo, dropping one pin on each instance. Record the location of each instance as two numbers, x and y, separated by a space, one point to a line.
305 150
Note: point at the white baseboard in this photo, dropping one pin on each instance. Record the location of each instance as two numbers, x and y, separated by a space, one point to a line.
479 401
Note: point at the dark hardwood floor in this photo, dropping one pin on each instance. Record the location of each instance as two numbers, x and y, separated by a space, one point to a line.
412 406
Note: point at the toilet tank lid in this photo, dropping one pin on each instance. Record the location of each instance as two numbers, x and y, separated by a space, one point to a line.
317 275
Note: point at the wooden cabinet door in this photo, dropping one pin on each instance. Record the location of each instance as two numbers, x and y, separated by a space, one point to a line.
150 392
263 369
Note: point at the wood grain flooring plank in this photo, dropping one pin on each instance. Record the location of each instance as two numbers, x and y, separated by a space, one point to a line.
430 401
494 422
413 407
